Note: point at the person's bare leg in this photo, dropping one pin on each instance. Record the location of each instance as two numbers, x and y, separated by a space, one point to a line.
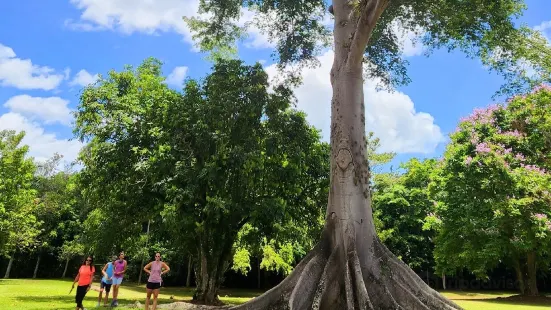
155 295
147 298
106 299
100 295
115 292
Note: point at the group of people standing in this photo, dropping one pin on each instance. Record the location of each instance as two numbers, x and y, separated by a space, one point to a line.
112 276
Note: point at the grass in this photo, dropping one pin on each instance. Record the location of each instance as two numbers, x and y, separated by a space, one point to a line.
23 294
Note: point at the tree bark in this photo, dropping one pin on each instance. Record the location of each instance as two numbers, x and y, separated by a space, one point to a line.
143 259
258 284
213 263
10 264
520 276
526 271
350 268
444 280
141 270
65 269
36 266
531 280
188 278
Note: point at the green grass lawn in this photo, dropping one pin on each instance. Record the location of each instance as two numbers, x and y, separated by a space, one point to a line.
25 294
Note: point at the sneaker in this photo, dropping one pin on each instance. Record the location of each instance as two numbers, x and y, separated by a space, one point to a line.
97 305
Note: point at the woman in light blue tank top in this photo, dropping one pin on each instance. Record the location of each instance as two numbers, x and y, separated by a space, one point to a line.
106 281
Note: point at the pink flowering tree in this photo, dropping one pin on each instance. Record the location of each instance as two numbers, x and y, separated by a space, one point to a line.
492 191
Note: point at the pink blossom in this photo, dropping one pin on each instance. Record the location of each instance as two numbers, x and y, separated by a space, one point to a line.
541 87
483 148
520 157
468 160
540 216
533 168
513 134
482 115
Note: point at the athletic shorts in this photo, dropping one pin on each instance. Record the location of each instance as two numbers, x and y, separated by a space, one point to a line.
153 286
105 286
116 281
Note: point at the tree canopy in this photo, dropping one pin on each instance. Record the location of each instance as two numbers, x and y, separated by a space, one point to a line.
492 190
487 30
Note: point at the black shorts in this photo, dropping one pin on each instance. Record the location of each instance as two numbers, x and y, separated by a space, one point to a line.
105 286
153 286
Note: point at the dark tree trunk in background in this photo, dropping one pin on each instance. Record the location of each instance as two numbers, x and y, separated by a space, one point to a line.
36 267
525 270
531 280
214 260
188 278
258 284
10 264
65 269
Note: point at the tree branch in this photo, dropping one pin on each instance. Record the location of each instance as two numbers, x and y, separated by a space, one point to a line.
370 12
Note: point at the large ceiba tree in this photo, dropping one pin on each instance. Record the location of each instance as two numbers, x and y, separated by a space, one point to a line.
350 268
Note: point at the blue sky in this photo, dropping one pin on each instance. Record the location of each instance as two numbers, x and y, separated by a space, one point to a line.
50 49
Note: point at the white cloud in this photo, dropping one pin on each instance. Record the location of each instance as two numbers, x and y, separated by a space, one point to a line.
391 116
83 78
177 76
129 16
50 110
23 74
543 26
42 145
150 17
545 29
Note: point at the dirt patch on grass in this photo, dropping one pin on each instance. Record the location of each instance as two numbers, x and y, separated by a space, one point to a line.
180 305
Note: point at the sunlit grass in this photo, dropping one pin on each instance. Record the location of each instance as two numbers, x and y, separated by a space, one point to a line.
23 294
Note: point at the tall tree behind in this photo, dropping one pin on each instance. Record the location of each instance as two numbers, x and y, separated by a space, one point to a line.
18 225
493 191
350 268
224 153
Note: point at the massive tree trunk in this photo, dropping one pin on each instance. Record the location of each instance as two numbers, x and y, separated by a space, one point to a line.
65 269
10 264
36 266
350 268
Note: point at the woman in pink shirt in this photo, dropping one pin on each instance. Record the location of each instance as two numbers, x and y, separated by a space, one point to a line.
155 271
84 278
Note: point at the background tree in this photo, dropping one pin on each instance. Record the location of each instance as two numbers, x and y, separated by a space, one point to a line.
155 151
55 209
362 35
493 191
69 250
401 204
18 225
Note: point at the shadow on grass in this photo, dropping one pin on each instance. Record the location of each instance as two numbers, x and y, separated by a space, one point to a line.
70 300
515 300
